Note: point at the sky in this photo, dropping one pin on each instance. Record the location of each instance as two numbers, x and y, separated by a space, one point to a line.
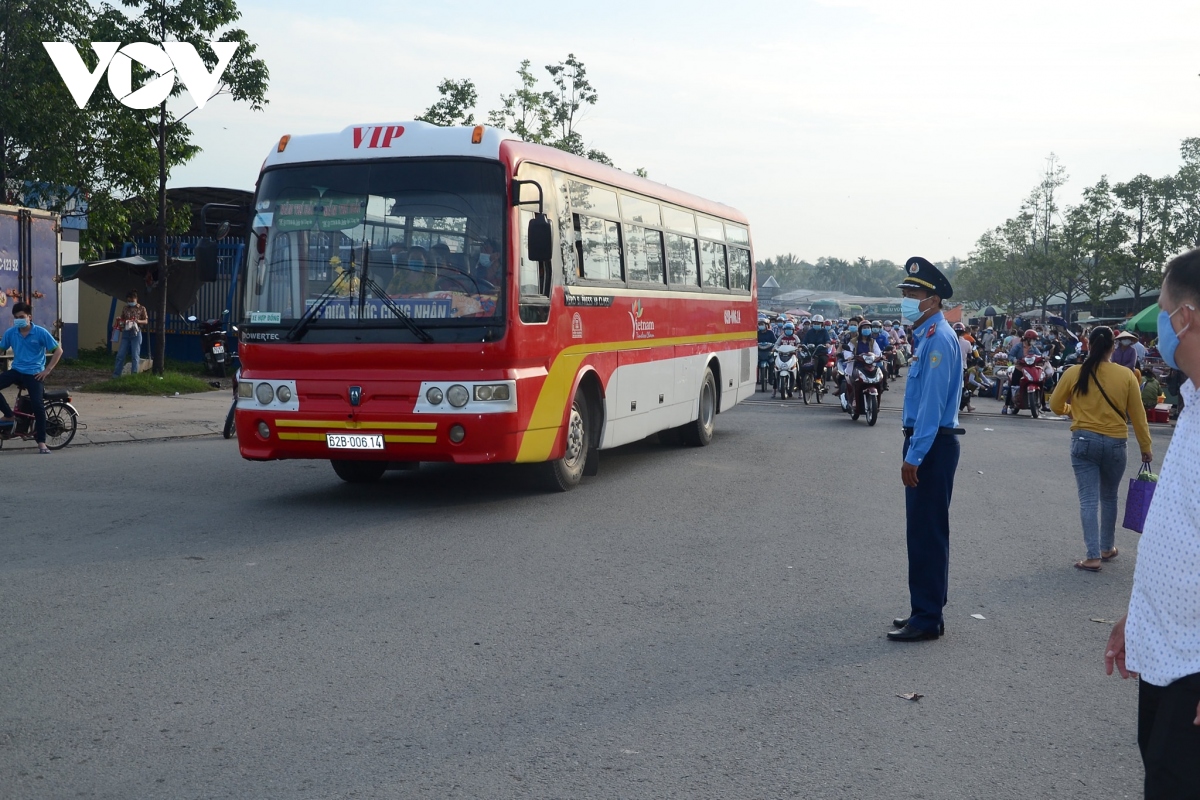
847 128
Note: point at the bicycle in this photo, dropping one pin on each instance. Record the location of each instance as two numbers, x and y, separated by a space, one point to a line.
62 420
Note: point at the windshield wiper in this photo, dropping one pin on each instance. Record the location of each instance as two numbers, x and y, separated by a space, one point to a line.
302 324
396 310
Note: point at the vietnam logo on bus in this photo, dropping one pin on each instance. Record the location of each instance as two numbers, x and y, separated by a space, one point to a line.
642 329
576 326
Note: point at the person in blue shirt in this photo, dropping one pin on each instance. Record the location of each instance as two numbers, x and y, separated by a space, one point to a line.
931 449
29 344
765 336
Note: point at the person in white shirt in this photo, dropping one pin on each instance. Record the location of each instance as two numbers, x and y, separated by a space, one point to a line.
1158 640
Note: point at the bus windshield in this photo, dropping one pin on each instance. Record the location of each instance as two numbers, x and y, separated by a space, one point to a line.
356 245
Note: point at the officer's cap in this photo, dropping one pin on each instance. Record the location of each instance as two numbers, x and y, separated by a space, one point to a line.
920 274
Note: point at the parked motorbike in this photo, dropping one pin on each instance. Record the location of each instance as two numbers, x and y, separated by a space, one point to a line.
212 344
1025 385
865 388
787 369
766 376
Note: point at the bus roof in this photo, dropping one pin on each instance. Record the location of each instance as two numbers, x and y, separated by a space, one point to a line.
409 139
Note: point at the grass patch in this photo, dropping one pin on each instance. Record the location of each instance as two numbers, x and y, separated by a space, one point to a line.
148 383
101 358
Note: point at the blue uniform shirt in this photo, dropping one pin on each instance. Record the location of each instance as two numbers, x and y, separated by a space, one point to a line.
934 386
884 340
765 337
29 352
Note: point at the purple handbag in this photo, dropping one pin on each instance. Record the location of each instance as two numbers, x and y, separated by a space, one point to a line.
1137 505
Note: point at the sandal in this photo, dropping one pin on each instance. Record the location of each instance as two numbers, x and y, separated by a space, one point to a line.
43 451
1083 566
1115 552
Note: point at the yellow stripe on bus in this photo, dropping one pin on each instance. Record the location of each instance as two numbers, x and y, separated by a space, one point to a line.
546 420
320 437
355 424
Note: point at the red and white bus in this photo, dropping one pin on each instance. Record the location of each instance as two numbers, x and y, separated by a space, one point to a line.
416 293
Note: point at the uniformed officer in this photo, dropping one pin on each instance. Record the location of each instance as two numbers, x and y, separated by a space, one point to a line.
930 453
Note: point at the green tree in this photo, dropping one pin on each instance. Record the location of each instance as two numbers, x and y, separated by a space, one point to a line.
525 112
456 105
1147 204
1186 222
244 79
1099 213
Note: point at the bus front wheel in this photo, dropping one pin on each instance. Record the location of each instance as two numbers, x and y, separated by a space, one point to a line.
359 471
563 474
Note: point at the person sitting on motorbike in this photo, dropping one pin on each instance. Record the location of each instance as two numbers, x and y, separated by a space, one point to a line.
765 336
976 382
1027 346
818 334
789 336
862 341
30 343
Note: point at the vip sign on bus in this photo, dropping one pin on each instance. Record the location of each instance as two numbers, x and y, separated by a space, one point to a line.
421 294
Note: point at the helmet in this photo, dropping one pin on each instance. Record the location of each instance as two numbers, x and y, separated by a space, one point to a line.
818 318
876 324
1030 334
789 327
958 326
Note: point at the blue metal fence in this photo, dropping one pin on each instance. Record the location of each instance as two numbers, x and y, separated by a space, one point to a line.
183 337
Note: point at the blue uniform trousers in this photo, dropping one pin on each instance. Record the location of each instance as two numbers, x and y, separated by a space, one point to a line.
927 510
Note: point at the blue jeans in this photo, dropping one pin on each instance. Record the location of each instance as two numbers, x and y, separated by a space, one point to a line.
131 345
1099 464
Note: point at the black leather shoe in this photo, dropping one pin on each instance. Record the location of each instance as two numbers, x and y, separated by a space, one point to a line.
911 634
901 622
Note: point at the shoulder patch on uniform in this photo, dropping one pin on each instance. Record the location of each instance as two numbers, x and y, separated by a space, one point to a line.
935 358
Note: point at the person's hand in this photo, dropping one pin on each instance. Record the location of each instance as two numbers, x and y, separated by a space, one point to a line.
41 376
1147 457
1114 653
908 474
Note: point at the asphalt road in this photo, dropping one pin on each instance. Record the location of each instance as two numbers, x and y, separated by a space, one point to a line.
691 623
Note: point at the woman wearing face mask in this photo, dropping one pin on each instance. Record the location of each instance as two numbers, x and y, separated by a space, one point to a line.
1124 354
1100 396
862 341
127 333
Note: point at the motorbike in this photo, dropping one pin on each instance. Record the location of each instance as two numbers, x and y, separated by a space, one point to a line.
787 368
892 362
864 389
62 420
766 376
1025 385
812 372
230 429
212 344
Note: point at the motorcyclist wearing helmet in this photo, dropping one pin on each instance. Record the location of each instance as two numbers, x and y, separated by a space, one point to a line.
765 336
881 335
964 346
1026 346
789 335
861 341
818 334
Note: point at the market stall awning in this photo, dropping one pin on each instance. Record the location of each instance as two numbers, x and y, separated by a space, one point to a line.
1145 321
117 277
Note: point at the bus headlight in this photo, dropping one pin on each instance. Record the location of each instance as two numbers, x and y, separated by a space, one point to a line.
284 393
492 391
265 393
245 390
434 396
458 395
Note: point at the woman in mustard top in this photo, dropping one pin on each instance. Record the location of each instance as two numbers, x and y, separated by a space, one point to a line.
1101 398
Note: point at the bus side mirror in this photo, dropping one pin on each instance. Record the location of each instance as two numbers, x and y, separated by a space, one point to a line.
540 239
206 259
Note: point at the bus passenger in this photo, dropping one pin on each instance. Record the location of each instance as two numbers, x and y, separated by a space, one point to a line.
414 277
489 267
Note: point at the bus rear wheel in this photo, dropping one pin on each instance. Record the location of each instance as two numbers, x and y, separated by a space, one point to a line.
359 471
563 474
700 432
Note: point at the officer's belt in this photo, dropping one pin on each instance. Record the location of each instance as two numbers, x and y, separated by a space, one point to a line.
940 431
